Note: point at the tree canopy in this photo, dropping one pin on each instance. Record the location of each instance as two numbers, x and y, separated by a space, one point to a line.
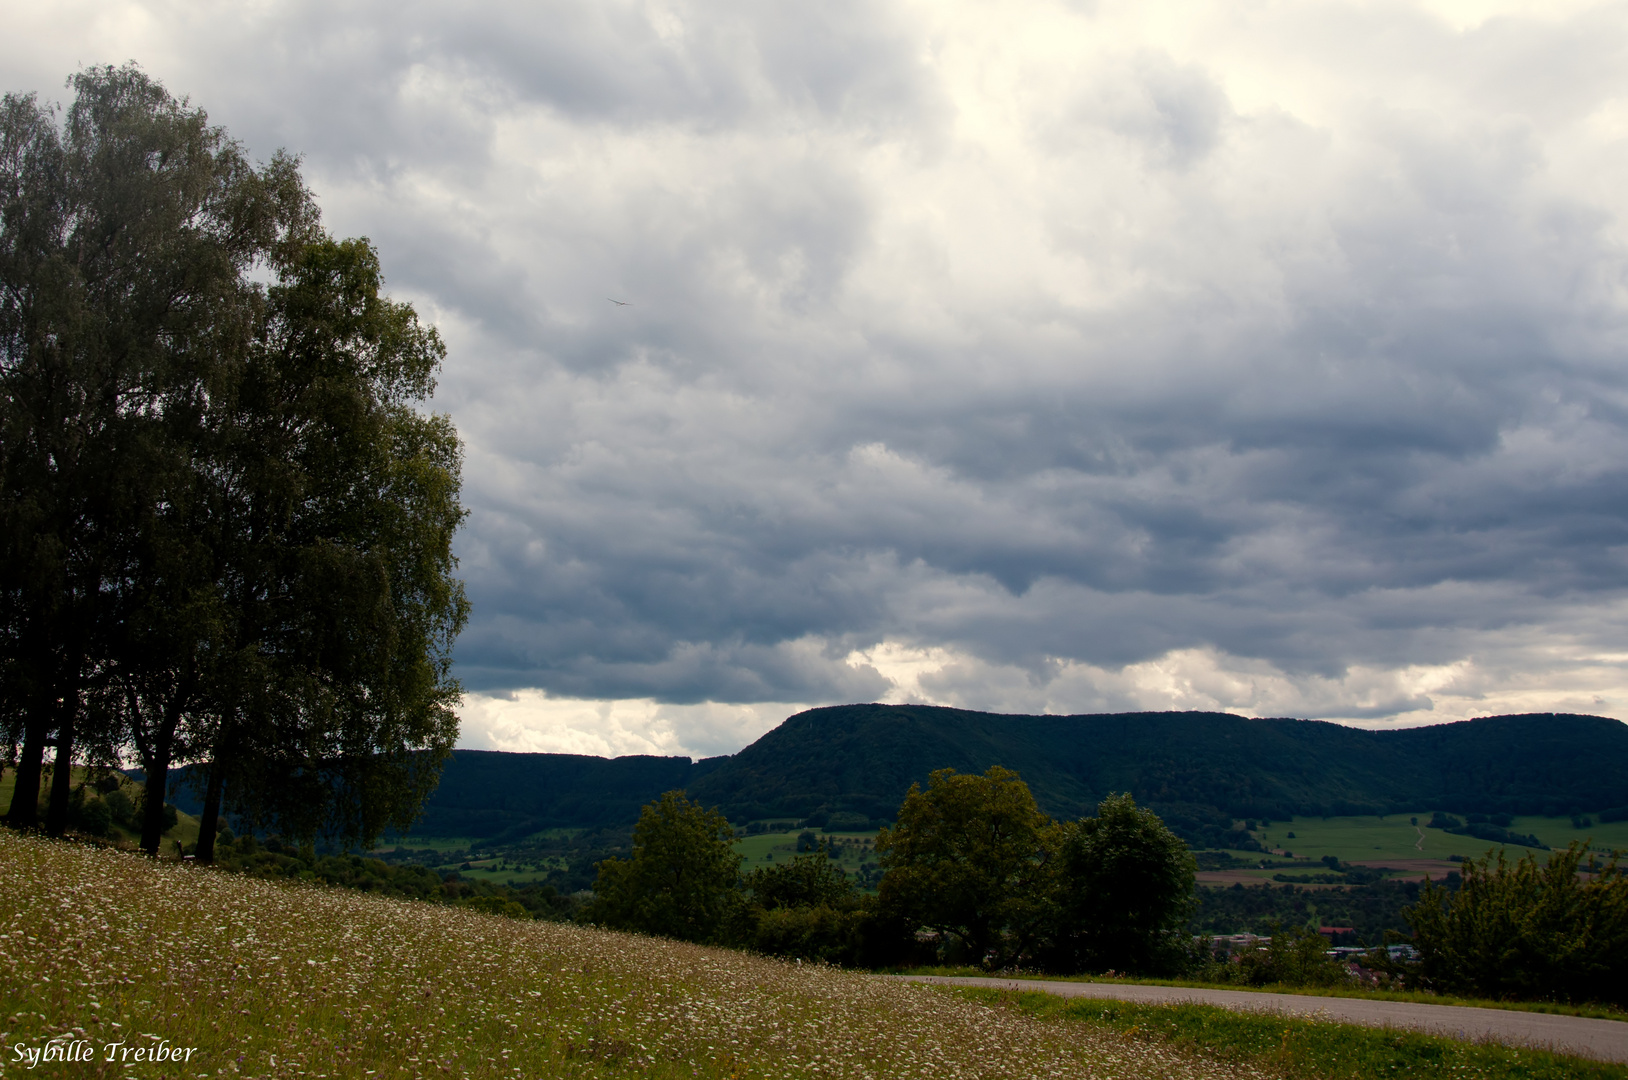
225 527
1124 892
1528 930
965 860
683 879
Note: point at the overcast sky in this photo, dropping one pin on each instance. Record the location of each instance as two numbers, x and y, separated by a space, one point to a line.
1043 357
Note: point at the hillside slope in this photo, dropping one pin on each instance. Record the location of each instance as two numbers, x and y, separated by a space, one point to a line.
1202 770
499 796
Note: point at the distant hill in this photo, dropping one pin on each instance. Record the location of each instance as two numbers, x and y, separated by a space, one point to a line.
852 764
1202 771
499 796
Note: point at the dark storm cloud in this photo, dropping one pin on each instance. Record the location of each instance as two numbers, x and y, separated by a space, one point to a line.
1029 338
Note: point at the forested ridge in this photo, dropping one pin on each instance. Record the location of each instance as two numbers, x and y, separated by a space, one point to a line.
851 765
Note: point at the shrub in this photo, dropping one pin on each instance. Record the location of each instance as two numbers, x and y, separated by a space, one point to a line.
89 816
1527 931
808 933
1295 957
496 905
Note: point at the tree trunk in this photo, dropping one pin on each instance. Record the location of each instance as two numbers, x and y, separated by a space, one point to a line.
157 751
56 816
152 815
161 749
25 797
205 852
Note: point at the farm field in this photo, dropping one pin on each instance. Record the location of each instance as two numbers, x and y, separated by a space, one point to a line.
1377 840
853 849
278 979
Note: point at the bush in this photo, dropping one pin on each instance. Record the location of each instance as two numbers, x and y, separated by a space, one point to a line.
496 905
122 810
1526 931
89 816
1296 957
808 933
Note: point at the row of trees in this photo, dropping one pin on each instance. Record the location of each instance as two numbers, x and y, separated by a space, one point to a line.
225 525
974 873
971 860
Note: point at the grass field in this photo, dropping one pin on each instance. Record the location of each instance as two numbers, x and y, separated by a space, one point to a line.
853 849
186 826
262 979
1376 839
266 979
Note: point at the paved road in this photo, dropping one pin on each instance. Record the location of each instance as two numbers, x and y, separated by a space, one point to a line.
1602 1040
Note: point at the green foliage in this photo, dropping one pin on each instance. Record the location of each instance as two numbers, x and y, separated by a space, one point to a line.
682 880
1482 827
963 860
820 933
973 860
225 529
93 817
277 859
1124 892
121 807
1301 1049
1199 771
1527 931
340 711
809 880
805 908
1296 956
497 905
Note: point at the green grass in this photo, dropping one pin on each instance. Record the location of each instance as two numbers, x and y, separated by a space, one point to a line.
1370 839
186 826
853 848
428 843
487 870
1300 1049
1598 1012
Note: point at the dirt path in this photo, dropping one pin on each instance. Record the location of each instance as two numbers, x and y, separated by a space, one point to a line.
1602 1040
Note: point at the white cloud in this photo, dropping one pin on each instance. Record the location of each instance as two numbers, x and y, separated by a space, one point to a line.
530 721
1127 355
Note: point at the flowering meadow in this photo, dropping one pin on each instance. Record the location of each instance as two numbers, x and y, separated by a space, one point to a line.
270 979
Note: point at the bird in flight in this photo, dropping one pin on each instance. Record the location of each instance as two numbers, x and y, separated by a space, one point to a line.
620 303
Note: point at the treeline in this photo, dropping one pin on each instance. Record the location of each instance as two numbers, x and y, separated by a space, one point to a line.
1371 911
225 527
1202 772
278 859
974 874
971 873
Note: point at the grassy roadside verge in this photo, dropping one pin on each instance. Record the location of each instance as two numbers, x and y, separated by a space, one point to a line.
1597 1012
1295 1048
